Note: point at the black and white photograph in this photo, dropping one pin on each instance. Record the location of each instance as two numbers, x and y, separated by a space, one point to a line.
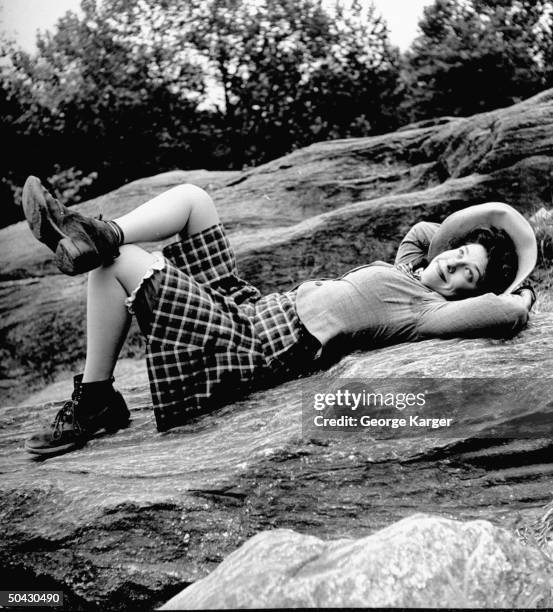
276 298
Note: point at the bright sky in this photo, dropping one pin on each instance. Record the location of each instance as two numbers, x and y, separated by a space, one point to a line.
21 18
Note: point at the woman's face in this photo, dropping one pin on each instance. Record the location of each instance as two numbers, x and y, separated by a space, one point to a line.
456 272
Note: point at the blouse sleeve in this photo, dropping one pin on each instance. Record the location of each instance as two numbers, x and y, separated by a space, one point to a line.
414 246
487 315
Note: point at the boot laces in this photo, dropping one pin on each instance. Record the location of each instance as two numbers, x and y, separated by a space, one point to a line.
67 415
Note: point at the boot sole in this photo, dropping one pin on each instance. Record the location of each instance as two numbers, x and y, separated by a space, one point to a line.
58 450
38 216
71 256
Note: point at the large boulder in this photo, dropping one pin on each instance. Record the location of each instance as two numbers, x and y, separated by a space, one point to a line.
421 562
315 212
416 173
137 516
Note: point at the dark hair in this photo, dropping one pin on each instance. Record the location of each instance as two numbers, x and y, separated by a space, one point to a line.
502 257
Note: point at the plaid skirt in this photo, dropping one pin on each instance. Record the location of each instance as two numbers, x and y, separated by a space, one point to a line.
211 337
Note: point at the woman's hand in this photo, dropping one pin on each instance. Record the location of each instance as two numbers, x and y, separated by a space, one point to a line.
527 294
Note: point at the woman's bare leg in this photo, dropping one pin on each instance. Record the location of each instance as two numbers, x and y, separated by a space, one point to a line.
108 320
184 209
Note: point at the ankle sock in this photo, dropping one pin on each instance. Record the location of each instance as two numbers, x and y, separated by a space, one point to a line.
120 234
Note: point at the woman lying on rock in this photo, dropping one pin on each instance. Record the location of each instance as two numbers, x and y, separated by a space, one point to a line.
211 334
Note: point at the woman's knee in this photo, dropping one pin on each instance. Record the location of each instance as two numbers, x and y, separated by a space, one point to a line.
128 268
131 257
128 254
203 213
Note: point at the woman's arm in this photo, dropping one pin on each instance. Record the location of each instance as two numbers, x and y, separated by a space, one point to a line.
487 315
414 246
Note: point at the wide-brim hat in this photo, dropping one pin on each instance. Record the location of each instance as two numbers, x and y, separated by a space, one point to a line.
500 215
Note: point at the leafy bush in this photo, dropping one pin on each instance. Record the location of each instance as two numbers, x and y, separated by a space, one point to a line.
71 185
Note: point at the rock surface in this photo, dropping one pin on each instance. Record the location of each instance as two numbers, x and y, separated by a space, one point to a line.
315 212
137 516
416 562
140 515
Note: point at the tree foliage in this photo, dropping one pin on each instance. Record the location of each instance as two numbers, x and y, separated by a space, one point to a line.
128 88
291 71
100 98
475 55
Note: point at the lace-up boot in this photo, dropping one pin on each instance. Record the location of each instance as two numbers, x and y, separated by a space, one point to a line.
80 243
93 407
